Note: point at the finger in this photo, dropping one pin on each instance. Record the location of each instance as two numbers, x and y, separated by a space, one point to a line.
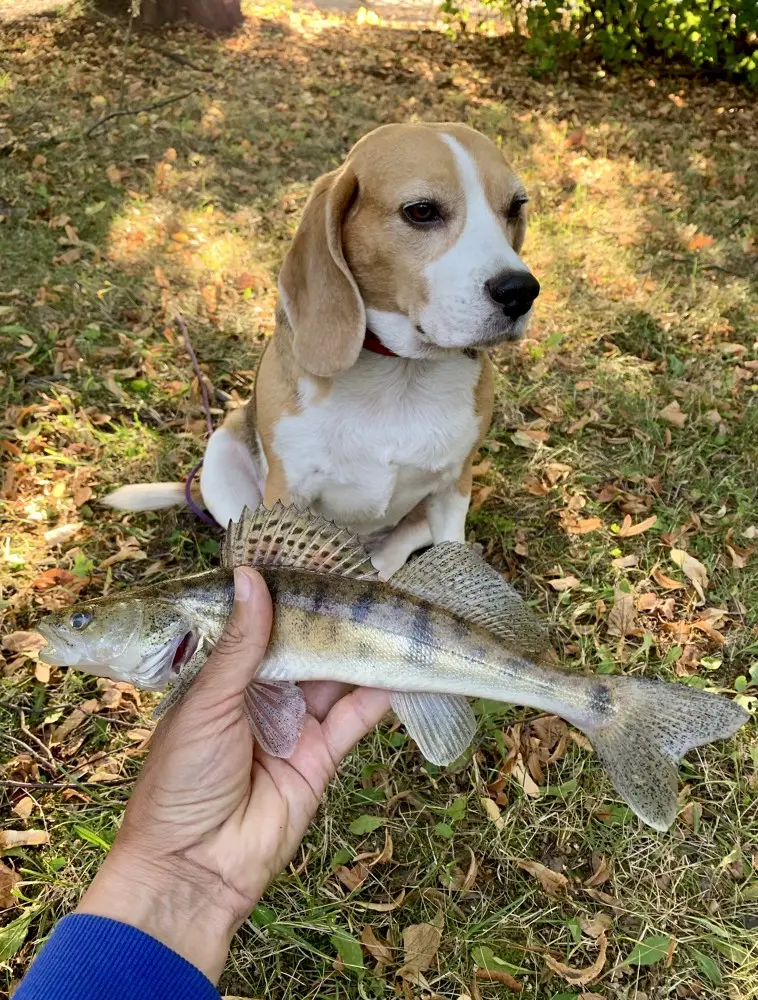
242 645
321 695
351 718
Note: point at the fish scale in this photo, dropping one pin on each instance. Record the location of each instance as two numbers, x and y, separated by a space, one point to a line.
444 629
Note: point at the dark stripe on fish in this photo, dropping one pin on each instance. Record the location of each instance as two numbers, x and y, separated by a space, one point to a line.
361 607
319 596
422 632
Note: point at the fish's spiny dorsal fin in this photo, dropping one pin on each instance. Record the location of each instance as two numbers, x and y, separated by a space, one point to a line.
455 577
286 537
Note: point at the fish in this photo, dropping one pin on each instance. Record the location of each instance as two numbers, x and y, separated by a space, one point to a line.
444 629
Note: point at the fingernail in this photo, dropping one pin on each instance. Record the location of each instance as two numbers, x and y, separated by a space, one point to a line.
243 585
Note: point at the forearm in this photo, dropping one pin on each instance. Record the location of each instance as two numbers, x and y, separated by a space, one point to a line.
88 957
177 906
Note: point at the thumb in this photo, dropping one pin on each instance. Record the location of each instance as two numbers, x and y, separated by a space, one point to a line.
242 645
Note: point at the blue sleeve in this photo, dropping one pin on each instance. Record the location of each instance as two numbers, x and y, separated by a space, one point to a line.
94 958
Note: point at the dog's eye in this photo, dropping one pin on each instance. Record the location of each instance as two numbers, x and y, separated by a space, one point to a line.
514 209
80 620
422 213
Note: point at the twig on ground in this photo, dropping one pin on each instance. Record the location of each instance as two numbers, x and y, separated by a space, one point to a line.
35 739
175 57
127 39
136 111
196 365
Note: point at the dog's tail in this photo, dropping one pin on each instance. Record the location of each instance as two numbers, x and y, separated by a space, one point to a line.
150 496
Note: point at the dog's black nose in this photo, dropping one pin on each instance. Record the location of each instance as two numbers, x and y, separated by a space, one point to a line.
514 291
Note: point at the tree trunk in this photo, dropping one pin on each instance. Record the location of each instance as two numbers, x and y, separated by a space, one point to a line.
219 16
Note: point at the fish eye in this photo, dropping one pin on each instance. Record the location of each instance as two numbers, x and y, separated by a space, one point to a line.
422 213
80 620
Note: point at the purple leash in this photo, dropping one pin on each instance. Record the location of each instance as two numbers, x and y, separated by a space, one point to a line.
195 508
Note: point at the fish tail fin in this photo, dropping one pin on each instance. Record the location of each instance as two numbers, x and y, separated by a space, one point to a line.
147 496
648 728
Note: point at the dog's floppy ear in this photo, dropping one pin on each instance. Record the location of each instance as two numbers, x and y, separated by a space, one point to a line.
318 291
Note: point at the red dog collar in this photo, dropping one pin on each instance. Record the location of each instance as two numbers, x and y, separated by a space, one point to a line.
372 343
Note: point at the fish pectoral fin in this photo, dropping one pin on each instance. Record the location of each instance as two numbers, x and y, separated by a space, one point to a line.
456 577
276 713
442 725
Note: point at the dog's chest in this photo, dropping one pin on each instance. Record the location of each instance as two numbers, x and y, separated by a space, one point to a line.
388 433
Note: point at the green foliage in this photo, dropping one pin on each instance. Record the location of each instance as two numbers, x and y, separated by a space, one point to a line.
710 34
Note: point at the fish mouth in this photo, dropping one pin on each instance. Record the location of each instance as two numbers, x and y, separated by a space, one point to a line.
58 652
183 652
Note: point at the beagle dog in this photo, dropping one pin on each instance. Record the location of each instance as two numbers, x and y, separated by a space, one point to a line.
375 391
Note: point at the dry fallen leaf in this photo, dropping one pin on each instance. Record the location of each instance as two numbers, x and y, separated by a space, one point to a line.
694 570
739 561
646 602
524 779
554 883
666 582
581 977
23 642
22 838
499 976
625 562
421 943
24 807
564 583
8 879
493 812
593 927
393 904
628 530
352 878
480 495
464 881
601 873
674 414
74 720
54 578
529 439
621 620
555 471
700 241
583 525
42 672
379 949
385 854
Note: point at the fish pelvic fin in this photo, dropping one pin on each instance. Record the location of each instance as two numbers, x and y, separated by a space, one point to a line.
286 537
442 725
648 727
455 577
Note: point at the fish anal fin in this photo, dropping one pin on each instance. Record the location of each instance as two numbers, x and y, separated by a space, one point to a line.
286 537
442 725
454 576
276 713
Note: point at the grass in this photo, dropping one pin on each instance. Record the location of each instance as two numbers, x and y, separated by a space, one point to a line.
644 236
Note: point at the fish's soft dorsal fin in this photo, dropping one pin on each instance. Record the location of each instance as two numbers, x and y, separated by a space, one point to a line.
289 538
455 577
442 725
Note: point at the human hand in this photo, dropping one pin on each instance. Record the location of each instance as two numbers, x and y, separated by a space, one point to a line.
212 819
